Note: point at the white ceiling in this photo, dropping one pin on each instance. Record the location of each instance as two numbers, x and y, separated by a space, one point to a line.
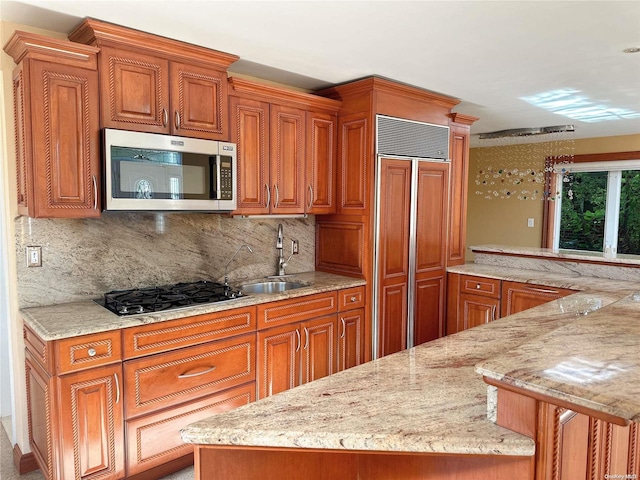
489 54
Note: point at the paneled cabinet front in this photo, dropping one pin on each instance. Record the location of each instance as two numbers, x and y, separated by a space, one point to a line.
291 355
517 296
151 94
270 141
159 85
57 128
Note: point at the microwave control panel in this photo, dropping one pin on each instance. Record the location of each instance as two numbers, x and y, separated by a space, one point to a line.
226 179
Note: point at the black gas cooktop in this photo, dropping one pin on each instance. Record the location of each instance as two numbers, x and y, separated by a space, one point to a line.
167 297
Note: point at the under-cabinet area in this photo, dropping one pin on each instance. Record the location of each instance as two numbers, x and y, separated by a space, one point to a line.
112 403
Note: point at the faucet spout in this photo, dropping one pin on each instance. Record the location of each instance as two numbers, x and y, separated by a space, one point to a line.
279 247
226 278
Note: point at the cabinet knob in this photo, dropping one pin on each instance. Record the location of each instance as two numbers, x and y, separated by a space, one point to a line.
477 286
91 352
354 298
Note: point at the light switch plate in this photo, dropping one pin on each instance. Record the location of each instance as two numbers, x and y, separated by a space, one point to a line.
530 222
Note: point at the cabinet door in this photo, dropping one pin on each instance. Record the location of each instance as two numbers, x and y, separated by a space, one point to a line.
198 102
517 297
351 339
430 251
278 360
319 350
354 165
460 172
287 126
64 131
393 267
320 163
92 431
134 91
41 409
477 310
249 130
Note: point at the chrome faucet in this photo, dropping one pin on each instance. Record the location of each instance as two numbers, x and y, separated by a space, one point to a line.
226 278
281 261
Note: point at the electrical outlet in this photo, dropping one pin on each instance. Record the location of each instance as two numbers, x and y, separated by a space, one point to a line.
530 222
34 256
295 247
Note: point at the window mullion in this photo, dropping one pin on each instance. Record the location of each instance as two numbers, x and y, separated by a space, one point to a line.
557 213
611 219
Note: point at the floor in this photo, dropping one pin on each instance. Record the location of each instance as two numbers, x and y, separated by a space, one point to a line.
9 472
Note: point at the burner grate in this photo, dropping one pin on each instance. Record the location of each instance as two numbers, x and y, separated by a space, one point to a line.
167 297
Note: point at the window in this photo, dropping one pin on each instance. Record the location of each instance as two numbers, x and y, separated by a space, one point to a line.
597 206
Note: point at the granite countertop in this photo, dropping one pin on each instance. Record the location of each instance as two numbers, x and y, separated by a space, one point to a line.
72 319
596 257
432 398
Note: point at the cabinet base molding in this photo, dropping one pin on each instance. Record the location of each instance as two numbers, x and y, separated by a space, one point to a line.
164 469
24 462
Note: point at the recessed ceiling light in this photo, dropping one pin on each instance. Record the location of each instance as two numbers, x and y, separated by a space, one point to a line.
631 50
526 132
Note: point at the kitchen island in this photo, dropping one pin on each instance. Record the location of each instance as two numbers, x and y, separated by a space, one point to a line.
427 413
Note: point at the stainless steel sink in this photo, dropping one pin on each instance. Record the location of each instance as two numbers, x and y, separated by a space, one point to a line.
272 286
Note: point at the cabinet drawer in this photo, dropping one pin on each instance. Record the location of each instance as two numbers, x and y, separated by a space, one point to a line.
160 337
161 381
155 439
351 298
296 309
489 287
78 353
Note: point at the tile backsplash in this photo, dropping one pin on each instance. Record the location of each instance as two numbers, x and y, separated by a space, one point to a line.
84 258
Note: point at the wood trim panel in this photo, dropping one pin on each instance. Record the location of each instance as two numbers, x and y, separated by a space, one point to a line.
96 32
218 463
161 337
39 47
24 462
340 247
42 352
296 309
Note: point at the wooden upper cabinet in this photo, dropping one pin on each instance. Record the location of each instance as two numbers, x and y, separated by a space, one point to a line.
158 85
135 91
287 159
286 149
250 120
55 89
459 152
321 163
353 165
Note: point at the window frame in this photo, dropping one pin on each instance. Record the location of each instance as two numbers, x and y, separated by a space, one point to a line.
550 220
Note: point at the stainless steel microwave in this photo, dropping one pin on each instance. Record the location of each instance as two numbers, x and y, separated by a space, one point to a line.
154 172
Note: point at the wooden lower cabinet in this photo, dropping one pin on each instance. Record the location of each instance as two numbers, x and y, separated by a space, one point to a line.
92 439
351 339
517 296
571 442
472 301
154 439
294 354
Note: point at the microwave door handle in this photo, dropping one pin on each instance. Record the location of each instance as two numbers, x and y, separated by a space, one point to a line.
214 177
219 177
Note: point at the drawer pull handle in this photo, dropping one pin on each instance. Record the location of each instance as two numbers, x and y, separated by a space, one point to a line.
299 342
91 352
354 298
266 187
196 374
543 290
493 313
306 338
344 326
115 376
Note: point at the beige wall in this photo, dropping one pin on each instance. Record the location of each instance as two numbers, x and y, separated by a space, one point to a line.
506 187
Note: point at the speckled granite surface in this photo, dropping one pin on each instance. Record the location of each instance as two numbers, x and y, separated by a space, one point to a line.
85 317
594 362
431 398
